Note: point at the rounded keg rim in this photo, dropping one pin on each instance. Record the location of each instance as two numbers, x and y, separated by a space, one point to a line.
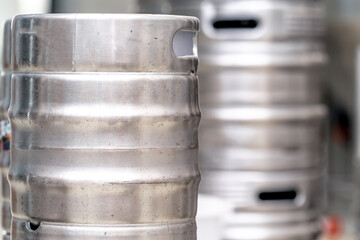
117 15
262 54
87 42
259 113
259 176
266 218
273 231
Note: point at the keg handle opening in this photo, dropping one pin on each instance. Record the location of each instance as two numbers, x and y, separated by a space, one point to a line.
235 24
233 27
283 195
33 226
231 21
185 43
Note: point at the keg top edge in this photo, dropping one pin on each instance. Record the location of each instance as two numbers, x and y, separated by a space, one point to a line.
107 15
104 43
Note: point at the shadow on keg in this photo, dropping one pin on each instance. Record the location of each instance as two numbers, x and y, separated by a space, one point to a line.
284 195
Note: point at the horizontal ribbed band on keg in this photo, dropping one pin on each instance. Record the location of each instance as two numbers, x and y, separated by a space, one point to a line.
242 218
22 230
306 230
266 114
217 157
250 128
263 134
235 54
6 53
125 111
104 187
267 191
260 86
103 43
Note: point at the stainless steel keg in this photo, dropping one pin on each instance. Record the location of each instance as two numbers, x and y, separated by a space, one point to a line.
245 66
5 87
263 131
254 74
104 118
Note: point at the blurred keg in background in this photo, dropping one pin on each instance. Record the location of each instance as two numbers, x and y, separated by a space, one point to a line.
263 133
104 118
263 138
5 92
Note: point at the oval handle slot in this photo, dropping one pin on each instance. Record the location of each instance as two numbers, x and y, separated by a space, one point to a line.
184 43
284 195
236 24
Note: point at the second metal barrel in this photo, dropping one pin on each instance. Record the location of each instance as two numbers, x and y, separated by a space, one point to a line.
263 133
5 88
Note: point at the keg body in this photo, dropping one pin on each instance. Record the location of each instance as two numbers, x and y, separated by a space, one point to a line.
104 121
263 130
261 96
5 92
263 102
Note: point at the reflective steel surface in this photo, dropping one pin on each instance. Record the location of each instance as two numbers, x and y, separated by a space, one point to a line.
104 117
263 131
263 138
5 92
295 230
251 191
267 20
